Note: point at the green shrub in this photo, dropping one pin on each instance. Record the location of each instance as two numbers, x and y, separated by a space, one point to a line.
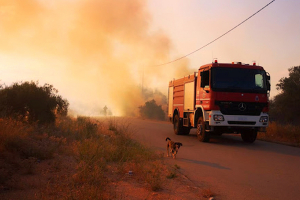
31 103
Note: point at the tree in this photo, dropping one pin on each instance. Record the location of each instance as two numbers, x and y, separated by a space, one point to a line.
152 111
285 106
28 102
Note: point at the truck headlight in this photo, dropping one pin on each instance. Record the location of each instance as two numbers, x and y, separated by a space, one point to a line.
218 117
264 119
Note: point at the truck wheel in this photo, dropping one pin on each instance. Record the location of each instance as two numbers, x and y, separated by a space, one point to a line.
179 129
249 136
177 125
202 135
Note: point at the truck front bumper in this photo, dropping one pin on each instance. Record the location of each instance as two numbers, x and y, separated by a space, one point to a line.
216 118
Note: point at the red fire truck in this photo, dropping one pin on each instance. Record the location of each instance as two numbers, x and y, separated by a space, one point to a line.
221 98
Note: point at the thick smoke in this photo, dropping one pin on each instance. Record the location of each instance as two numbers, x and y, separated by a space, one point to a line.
107 48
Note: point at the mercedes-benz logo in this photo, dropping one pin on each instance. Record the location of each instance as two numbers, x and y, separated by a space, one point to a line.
242 107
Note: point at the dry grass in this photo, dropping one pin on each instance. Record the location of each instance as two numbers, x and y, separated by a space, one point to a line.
103 152
285 134
21 146
173 172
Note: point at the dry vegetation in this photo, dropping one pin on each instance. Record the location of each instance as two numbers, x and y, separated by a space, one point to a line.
83 159
284 134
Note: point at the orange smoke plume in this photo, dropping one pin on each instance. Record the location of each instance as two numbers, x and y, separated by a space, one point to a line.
104 49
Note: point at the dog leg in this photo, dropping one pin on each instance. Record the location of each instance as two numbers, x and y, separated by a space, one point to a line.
167 150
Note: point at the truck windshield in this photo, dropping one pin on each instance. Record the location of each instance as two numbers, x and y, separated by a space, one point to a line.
238 80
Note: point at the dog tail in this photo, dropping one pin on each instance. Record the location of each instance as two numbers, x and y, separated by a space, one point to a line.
168 139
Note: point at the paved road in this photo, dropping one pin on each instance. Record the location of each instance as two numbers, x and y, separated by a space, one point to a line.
227 165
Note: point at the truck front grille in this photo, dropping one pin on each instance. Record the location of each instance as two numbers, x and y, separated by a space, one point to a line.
240 108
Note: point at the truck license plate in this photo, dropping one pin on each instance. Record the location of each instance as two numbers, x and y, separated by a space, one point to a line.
242 118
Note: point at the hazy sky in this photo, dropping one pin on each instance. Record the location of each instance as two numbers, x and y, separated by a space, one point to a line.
271 38
101 52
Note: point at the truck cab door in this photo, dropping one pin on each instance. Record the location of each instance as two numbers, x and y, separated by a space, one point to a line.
204 90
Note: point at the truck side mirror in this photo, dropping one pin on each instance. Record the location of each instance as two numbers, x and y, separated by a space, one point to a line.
268 77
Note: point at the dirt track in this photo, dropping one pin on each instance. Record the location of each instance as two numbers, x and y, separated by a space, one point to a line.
227 165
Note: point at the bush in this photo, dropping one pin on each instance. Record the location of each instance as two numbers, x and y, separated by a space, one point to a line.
30 103
284 107
152 111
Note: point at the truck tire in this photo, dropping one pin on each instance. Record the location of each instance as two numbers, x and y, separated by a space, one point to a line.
249 136
177 125
179 129
202 135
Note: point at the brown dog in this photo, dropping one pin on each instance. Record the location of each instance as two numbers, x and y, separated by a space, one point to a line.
172 147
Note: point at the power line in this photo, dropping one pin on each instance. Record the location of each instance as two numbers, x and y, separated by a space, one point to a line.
217 37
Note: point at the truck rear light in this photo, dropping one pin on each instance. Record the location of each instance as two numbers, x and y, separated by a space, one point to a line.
264 119
218 117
